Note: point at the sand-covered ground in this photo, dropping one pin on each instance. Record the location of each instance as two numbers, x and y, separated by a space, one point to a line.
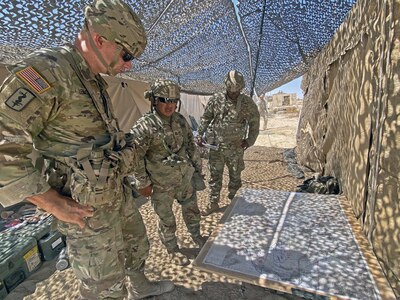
265 169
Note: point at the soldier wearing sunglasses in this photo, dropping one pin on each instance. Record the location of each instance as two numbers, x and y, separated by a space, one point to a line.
235 121
55 102
167 158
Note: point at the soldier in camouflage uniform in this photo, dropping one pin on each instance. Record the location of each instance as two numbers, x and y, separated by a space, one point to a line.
55 102
167 158
263 110
234 120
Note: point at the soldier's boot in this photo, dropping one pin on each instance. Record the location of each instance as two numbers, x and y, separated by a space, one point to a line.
142 287
232 194
199 240
178 257
211 207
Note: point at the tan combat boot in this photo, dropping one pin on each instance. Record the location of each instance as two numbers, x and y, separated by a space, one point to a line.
211 207
142 287
177 257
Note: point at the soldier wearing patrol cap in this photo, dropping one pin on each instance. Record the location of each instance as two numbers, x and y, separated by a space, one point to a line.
234 120
54 104
167 159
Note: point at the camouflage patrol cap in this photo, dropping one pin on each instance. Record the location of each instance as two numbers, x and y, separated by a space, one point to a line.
166 89
116 21
234 81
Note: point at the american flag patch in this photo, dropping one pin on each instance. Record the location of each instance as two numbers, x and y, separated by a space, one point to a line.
33 79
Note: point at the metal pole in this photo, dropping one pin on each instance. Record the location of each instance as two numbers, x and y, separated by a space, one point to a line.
258 50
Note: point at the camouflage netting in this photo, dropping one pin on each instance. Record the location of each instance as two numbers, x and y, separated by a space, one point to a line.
350 128
195 42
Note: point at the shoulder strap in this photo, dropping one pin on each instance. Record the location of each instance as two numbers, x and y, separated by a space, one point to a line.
103 107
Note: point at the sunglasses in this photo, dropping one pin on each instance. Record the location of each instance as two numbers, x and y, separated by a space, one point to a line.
167 100
126 56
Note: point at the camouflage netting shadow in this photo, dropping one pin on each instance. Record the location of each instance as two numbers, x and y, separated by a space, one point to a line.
194 42
349 125
265 169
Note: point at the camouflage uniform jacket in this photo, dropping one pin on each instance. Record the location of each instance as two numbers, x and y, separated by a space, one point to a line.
166 153
231 121
51 111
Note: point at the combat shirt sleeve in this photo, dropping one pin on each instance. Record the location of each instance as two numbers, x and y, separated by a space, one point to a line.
26 103
142 135
253 120
207 117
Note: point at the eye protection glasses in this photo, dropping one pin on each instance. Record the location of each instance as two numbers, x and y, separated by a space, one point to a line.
126 56
167 100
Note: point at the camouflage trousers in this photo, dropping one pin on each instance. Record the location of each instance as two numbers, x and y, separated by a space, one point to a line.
113 245
162 201
233 159
265 121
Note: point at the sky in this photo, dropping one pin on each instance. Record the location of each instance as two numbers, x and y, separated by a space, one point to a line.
290 87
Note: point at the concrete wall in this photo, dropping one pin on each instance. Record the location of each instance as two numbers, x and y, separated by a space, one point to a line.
283 99
350 125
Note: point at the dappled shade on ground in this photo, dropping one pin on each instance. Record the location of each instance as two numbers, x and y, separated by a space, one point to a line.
265 169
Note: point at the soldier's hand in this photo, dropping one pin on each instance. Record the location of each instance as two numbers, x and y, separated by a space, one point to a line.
63 208
146 191
244 144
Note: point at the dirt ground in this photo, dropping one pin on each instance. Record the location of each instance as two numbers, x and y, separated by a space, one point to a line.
280 133
265 169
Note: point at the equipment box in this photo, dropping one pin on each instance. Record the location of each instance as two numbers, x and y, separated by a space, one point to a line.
3 291
51 245
50 242
36 230
19 258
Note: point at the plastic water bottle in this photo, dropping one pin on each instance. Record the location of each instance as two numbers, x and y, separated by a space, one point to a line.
62 261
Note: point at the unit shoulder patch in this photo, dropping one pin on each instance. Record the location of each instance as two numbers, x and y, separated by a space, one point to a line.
19 99
33 79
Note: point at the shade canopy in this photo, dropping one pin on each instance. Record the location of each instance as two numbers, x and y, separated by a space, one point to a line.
194 42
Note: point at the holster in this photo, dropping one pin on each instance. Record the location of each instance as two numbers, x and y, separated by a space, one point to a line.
93 180
198 181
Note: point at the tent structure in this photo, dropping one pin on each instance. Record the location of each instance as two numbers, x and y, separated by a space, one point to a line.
194 42
351 89
129 103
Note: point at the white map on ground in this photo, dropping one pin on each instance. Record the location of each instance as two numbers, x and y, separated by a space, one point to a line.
296 239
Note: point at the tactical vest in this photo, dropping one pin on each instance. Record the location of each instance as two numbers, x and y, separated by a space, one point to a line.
90 177
176 157
229 132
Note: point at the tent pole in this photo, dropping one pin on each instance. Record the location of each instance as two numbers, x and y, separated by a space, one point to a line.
258 50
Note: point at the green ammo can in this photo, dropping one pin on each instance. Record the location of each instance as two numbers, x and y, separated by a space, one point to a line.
51 245
50 242
19 258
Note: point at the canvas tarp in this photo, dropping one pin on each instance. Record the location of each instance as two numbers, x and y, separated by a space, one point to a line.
129 104
349 125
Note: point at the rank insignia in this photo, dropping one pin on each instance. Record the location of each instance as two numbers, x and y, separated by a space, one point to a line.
19 99
34 80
